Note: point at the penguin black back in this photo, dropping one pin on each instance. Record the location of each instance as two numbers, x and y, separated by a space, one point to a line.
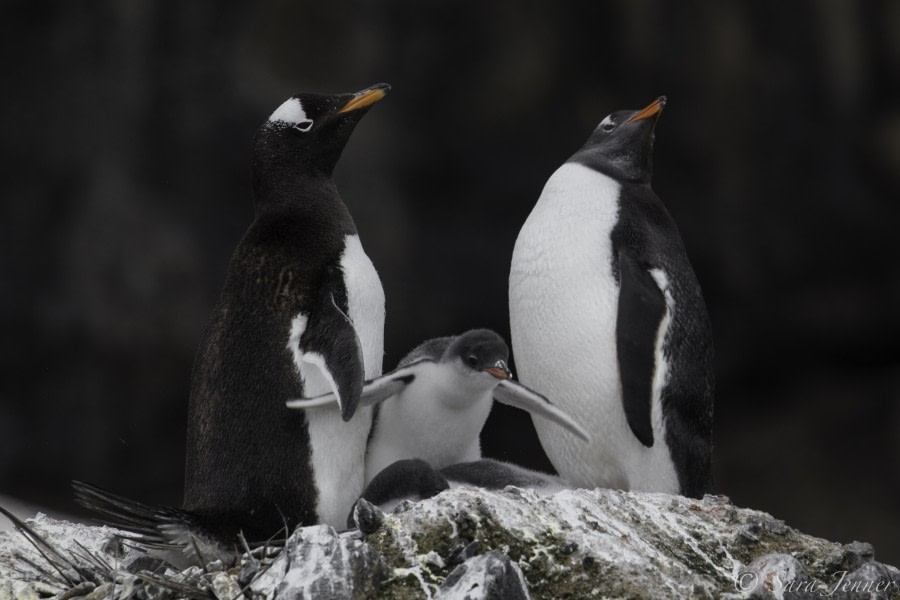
248 456
650 236
646 238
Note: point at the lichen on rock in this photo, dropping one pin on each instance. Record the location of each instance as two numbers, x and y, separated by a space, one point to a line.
466 542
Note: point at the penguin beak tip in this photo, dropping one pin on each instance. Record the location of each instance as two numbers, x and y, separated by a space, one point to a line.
654 109
365 98
499 372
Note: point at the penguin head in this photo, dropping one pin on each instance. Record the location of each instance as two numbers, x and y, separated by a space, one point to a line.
480 355
308 132
622 144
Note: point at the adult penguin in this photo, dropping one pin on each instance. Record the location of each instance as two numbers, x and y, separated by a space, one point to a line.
301 313
607 318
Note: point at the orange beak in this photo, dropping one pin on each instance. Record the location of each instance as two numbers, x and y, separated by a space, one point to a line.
366 97
654 109
499 370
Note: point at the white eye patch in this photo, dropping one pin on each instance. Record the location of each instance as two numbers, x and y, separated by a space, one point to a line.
292 113
607 123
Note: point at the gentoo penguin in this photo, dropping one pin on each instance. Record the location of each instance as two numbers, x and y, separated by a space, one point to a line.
434 405
415 479
608 320
301 312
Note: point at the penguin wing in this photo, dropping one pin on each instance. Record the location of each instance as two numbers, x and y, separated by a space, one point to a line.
330 343
515 394
374 391
642 308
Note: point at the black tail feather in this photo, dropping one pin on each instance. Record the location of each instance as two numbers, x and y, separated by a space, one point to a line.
164 528
130 515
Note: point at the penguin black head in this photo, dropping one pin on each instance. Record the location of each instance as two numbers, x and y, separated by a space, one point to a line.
308 132
622 144
480 350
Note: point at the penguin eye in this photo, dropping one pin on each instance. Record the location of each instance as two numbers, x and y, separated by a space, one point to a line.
607 127
472 360
303 126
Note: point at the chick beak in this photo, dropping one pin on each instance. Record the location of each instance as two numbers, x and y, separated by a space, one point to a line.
499 370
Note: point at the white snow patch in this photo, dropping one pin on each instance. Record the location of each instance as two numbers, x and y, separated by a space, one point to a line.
64 536
626 529
25 510
317 565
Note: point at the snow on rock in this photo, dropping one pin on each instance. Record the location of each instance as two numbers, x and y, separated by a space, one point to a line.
317 563
600 543
25 510
60 534
492 575
19 576
468 543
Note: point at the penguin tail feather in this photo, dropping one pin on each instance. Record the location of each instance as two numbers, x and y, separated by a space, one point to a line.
149 523
155 527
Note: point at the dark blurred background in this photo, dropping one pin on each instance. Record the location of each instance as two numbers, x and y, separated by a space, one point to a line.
125 153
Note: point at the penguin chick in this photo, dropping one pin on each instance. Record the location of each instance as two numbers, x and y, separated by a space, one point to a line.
434 405
608 318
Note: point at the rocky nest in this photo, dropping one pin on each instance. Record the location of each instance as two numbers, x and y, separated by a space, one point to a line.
469 543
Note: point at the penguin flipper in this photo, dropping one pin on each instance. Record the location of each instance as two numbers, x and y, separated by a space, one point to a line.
642 308
374 391
330 343
515 394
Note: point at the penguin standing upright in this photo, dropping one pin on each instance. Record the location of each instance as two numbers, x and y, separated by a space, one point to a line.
302 311
607 318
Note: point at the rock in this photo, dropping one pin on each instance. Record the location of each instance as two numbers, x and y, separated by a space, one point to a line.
367 517
461 552
225 587
777 576
870 581
470 543
491 576
850 556
319 564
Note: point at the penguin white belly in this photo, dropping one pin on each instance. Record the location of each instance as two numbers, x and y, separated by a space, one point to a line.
338 448
563 310
428 421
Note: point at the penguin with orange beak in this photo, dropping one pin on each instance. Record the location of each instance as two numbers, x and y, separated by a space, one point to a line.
301 312
608 319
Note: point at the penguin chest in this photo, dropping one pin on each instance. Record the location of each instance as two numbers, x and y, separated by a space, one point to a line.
563 310
563 293
365 303
338 448
437 418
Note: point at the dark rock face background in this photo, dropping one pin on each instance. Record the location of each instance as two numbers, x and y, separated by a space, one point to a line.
125 152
